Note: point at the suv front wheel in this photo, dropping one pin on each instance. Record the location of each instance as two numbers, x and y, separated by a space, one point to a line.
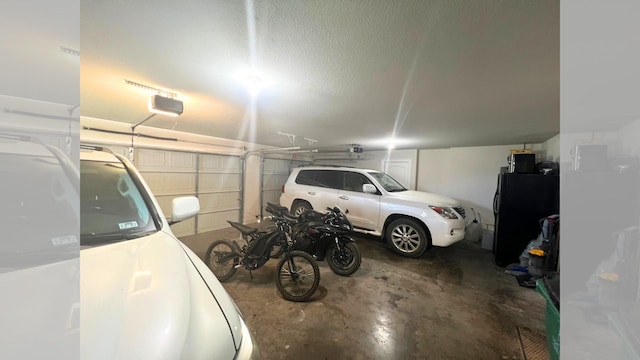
407 238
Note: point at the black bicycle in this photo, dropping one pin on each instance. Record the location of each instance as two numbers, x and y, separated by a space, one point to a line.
297 273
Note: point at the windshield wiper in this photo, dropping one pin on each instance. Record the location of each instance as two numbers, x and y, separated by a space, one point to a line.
397 190
94 239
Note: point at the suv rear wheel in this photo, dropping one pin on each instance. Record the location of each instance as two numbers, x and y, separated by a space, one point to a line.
407 238
299 207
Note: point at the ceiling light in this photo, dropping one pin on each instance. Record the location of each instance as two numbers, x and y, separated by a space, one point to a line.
69 51
163 105
254 84
155 90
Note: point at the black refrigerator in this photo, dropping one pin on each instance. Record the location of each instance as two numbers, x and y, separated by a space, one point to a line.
521 200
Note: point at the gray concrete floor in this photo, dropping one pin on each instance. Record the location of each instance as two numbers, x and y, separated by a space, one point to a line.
452 303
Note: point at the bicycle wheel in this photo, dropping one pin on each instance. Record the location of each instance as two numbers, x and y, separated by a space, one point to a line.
221 259
297 276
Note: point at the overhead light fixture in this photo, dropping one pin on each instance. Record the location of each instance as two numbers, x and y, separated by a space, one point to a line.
69 51
163 105
254 84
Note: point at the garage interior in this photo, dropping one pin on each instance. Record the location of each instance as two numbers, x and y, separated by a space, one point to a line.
436 93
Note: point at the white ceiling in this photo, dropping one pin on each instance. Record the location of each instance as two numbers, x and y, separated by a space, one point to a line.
432 74
32 65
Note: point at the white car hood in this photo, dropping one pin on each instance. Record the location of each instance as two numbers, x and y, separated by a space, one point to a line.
425 197
144 299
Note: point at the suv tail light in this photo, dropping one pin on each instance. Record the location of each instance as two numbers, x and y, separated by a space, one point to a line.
283 189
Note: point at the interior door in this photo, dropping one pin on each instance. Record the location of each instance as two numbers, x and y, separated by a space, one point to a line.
362 209
399 170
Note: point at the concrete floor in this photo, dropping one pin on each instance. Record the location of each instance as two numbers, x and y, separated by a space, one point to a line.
452 303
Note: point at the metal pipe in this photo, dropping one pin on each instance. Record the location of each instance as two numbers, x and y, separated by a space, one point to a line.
134 126
264 151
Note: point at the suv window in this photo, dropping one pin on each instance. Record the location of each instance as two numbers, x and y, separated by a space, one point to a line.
354 181
323 178
387 182
111 206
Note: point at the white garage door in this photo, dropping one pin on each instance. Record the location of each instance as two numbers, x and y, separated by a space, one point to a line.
219 188
169 174
274 174
214 179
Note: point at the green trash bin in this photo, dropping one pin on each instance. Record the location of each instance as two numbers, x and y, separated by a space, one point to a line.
550 290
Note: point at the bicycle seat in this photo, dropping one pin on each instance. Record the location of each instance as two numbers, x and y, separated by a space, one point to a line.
245 230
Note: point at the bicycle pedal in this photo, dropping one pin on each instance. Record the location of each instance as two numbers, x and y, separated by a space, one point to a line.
237 266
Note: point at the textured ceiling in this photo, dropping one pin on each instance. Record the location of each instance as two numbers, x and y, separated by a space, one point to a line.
431 74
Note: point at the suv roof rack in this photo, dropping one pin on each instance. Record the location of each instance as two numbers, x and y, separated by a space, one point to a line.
328 165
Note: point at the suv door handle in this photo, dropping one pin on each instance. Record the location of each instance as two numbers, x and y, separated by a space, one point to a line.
344 197
311 193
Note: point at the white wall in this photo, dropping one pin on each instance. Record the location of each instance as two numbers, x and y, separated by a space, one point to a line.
468 174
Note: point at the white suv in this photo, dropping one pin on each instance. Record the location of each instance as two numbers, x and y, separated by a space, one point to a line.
377 204
144 294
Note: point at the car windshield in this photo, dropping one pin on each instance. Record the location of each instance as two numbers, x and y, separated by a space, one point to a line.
387 182
38 212
111 206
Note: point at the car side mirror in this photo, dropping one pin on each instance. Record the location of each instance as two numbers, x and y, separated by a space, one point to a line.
369 188
184 208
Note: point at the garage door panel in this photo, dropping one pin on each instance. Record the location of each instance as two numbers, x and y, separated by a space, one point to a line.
120 150
219 163
219 182
165 202
275 174
272 196
184 228
216 221
165 161
276 166
171 183
274 181
219 201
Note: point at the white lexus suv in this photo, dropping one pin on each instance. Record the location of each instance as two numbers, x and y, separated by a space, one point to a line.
376 204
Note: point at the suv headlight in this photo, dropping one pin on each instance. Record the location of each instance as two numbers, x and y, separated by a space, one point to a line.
445 212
